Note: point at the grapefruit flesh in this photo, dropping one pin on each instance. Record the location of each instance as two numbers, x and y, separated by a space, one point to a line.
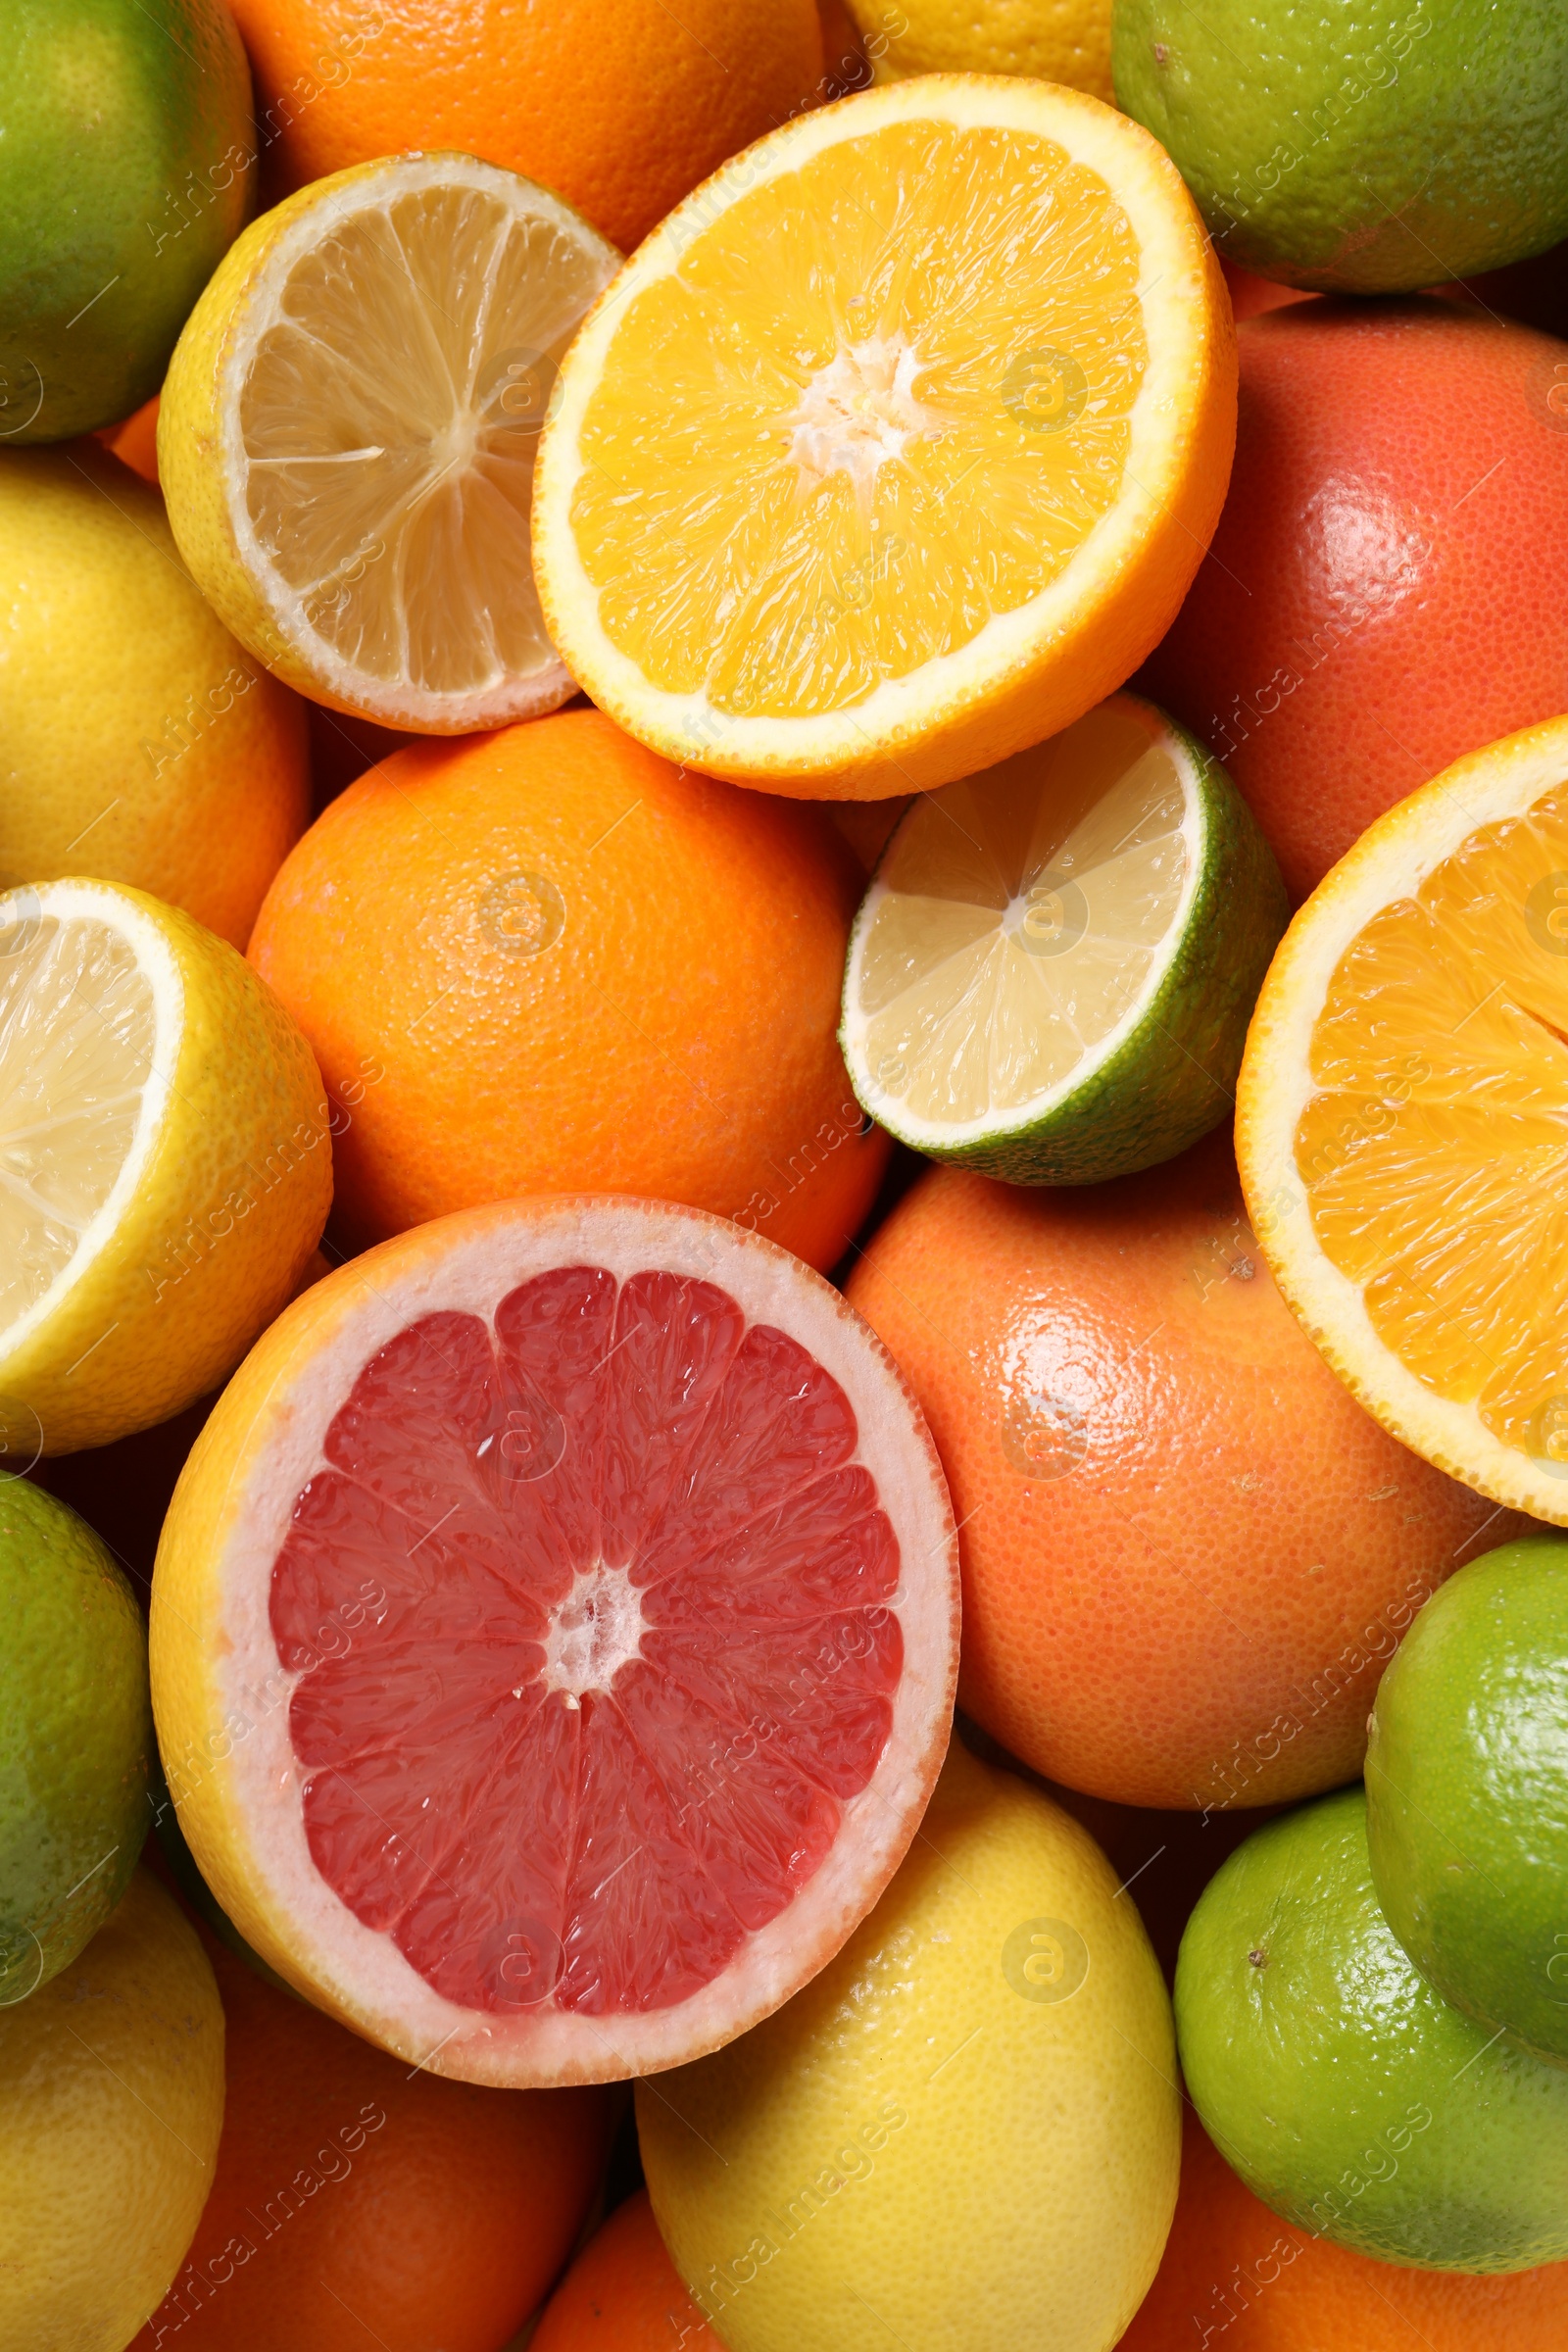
609 1634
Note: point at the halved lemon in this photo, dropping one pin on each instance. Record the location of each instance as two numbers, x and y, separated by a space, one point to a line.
1051 976
165 1164
1402 1120
348 431
895 447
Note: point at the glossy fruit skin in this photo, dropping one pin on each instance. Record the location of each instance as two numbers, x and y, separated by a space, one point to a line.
1363 156
623 2295
76 1735
1347 2092
435 2213
111 2106
977 2088
542 960
1063 40
614 104
1187 1552
125 171
1401 492
143 744
1468 1792
1237 2279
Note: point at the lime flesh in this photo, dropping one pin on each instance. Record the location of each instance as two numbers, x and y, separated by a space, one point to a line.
1362 152
75 1732
1467 1791
1347 2092
127 160
1051 977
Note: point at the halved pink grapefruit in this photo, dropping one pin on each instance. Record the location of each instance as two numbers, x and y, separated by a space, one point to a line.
554 1637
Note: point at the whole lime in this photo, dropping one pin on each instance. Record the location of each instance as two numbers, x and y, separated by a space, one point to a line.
1363 151
76 1734
1347 2092
126 164
1467 1791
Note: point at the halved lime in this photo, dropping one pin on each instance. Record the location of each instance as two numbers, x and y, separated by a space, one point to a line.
1051 976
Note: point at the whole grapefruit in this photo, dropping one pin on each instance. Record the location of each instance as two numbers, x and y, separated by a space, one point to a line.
1186 1551
1374 602
623 2295
354 2199
620 106
1237 2279
544 960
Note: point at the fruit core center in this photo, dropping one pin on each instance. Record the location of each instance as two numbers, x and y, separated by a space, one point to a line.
859 411
593 1633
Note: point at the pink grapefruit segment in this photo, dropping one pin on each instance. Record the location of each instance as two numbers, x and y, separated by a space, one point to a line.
583 1579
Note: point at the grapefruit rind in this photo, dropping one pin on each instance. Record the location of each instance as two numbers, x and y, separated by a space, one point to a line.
1388 862
221 1696
1030 671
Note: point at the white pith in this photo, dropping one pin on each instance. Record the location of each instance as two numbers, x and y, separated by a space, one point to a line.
889 1110
256 1786
860 410
596 1631
508 699
1391 861
101 904
720 742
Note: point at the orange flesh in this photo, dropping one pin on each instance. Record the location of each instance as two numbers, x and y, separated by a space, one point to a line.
590 1615
893 399
1434 1155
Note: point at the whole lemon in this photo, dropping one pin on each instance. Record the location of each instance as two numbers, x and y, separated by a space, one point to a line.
1056 40
138 743
965 2131
111 2106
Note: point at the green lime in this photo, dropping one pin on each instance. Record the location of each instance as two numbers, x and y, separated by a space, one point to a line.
76 1735
126 164
1052 973
1467 1791
1347 2092
1366 151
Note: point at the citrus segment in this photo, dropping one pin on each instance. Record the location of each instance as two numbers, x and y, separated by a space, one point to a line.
1051 975
585 1574
897 446
165 1164
348 432
1402 1113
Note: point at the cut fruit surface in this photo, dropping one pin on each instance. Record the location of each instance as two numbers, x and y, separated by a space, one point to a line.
1402 1114
348 432
896 446
165 1164
585 1582
1051 976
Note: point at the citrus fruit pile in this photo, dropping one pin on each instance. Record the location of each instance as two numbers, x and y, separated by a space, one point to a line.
783 1241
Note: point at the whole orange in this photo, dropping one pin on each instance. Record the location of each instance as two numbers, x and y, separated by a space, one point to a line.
544 960
355 2202
620 106
1237 2279
623 2295
1186 1551
1374 602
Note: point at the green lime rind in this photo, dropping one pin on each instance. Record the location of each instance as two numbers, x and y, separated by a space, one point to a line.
1364 153
127 167
1347 2092
76 1735
1173 1076
1468 1792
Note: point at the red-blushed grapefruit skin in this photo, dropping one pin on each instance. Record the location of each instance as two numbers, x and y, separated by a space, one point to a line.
1380 595
555 1636
1188 1551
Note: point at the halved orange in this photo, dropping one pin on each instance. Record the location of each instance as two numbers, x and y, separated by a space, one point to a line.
1402 1120
895 447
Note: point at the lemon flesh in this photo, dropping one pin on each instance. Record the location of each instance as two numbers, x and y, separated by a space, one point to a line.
1051 976
346 438
165 1164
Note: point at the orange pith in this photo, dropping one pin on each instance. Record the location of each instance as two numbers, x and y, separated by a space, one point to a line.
1431 1153
777 374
